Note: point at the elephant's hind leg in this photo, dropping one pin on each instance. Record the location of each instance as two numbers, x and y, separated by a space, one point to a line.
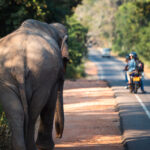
39 99
15 115
45 140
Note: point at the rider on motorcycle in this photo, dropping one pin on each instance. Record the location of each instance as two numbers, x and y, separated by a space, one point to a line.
133 66
126 69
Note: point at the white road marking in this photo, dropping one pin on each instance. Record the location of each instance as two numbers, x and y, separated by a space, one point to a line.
143 106
100 71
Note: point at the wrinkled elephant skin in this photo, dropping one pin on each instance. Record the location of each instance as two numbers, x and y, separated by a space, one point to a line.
32 67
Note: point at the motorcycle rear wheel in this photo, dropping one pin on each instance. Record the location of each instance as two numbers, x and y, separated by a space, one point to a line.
135 88
131 88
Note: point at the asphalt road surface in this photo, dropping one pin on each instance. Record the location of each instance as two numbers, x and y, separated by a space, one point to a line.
134 109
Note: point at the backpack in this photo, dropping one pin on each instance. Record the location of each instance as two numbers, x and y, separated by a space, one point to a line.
140 66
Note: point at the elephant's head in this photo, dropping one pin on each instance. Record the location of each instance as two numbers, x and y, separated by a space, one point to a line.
61 37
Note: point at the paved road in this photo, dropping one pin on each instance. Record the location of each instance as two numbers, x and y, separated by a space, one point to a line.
134 109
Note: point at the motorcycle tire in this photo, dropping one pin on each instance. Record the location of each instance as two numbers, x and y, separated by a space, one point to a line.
131 89
135 88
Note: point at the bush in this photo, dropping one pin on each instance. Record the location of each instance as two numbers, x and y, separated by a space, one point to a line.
5 134
77 49
132 24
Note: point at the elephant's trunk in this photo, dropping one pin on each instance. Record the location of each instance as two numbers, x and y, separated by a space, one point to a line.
59 115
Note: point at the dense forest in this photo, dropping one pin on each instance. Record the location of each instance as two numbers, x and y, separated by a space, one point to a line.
14 12
132 29
122 25
98 17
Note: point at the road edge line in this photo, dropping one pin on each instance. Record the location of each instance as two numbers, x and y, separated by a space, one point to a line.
143 106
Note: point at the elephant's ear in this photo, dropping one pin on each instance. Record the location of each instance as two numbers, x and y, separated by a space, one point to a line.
61 31
64 48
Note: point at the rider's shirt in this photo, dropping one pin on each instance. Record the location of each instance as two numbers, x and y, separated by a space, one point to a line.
131 65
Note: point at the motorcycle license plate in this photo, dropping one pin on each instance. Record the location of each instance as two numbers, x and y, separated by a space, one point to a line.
136 79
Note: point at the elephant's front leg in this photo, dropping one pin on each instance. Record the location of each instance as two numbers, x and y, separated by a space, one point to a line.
44 139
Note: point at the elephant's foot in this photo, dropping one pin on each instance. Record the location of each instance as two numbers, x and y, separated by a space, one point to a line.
45 146
44 141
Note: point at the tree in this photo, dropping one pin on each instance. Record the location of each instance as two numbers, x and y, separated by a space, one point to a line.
77 49
14 12
126 28
98 17
132 24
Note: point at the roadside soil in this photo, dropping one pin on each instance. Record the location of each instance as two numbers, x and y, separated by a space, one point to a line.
91 120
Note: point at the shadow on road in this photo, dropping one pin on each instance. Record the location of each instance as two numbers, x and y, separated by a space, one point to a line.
123 83
89 147
91 122
135 111
136 133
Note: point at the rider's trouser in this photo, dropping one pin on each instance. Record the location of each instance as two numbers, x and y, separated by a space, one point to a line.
128 76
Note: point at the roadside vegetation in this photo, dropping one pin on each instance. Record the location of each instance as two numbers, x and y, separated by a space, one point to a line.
123 25
98 17
5 134
132 29
77 48
14 12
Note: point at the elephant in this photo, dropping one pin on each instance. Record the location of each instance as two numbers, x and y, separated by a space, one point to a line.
33 62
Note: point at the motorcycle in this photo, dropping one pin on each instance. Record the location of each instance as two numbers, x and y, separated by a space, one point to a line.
135 82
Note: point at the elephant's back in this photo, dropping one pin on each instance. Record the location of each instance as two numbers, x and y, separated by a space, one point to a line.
24 51
43 55
11 51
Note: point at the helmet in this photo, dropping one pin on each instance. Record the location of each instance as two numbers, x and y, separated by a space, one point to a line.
133 54
127 57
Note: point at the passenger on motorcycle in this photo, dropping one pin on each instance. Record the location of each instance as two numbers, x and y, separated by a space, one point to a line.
140 69
135 65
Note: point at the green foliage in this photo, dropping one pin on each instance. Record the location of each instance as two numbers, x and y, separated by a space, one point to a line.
77 50
75 72
143 46
127 25
132 25
5 134
98 16
14 12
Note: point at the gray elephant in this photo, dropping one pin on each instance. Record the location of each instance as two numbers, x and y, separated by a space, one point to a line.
32 66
